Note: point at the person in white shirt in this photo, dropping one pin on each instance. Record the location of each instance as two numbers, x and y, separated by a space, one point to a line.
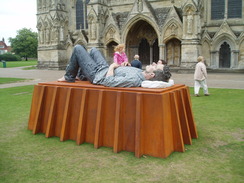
200 77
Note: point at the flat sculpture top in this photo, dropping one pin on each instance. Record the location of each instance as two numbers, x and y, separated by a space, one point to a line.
87 84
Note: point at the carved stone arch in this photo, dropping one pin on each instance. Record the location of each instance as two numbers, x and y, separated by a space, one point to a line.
111 33
55 19
47 23
40 23
206 37
225 48
172 29
224 38
134 20
241 38
189 7
92 15
141 36
81 42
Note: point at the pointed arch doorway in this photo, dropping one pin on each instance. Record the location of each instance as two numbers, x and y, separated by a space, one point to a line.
142 39
224 55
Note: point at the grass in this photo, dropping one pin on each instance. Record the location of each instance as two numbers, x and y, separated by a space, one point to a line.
11 80
216 156
10 64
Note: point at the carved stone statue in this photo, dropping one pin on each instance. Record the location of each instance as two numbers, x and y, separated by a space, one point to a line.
189 22
47 38
53 4
93 29
139 5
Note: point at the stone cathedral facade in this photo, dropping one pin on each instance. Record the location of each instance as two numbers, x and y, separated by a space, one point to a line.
175 30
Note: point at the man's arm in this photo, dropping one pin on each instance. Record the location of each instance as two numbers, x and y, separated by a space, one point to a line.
111 69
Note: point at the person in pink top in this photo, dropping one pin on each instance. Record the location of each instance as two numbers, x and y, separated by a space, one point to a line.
120 56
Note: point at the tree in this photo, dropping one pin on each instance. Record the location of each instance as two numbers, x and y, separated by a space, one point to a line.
25 43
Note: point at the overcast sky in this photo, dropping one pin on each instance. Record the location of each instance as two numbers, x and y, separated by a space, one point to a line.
16 15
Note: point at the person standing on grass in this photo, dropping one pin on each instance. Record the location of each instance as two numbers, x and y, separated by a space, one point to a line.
200 77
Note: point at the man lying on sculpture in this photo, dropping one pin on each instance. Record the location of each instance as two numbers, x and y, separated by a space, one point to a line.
95 69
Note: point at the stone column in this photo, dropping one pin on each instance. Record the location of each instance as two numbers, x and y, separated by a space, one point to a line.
151 54
190 50
214 59
190 45
162 51
234 59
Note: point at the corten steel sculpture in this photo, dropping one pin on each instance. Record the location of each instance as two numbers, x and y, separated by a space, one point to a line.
154 122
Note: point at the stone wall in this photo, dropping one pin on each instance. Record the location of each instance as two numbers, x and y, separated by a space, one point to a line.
182 29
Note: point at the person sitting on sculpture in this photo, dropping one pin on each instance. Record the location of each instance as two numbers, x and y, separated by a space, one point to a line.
96 70
120 56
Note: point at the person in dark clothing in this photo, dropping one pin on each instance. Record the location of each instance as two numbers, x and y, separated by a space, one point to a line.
136 62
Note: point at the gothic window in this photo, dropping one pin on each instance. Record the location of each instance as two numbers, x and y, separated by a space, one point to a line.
224 55
234 8
230 8
217 9
81 12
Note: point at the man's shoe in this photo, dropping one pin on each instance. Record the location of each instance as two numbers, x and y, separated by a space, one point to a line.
62 79
196 95
207 94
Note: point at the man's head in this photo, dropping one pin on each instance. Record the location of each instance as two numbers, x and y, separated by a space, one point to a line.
136 57
162 75
155 72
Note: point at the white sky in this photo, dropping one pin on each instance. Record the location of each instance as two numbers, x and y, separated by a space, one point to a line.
16 15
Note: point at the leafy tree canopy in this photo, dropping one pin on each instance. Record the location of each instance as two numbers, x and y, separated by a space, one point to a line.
25 43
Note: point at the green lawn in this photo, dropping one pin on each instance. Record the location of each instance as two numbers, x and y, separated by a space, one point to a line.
11 80
10 64
215 157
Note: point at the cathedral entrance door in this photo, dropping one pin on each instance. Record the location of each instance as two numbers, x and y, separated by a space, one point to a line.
144 52
142 39
224 56
173 52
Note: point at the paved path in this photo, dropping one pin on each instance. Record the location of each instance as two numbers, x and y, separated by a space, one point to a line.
215 80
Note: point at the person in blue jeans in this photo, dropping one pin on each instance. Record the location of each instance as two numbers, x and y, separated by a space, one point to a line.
95 69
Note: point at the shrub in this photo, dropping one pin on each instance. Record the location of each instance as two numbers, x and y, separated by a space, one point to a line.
10 57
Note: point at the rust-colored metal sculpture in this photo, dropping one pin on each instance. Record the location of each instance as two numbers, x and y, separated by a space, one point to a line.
154 122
